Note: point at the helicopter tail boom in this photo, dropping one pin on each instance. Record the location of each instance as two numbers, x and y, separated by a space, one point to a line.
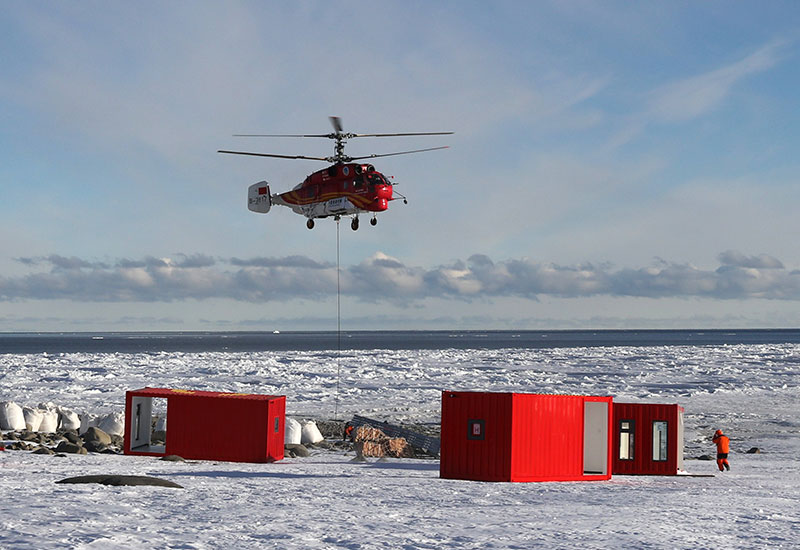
259 198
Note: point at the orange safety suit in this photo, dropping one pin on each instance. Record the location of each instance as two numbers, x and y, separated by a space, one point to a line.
723 447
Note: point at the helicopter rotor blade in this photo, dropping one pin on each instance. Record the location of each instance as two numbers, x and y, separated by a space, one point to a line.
399 153
274 156
333 136
404 134
283 135
340 137
337 123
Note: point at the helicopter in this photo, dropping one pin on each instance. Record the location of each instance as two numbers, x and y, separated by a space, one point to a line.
345 188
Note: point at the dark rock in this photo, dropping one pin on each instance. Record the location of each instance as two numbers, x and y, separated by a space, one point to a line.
44 451
172 458
19 446
72 448
72 437
297 449
31 436
11 436
95 446
117 440
753 451
98 435
117 481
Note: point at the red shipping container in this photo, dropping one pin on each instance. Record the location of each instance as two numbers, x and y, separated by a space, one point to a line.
648 439
204 425
525 437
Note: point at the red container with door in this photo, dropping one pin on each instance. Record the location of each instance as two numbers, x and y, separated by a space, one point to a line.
204 425
525 437
648 439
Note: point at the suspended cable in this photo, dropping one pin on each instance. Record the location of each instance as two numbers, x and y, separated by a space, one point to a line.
338 326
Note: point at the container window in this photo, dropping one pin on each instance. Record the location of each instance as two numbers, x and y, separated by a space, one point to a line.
626 432
476 429
659 440
277 423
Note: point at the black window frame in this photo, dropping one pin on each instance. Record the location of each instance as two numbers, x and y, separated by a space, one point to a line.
666 440
631 440
471 434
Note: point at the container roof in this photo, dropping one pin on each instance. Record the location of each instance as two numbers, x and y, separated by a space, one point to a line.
168 392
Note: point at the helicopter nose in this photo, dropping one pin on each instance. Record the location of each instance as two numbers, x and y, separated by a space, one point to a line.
378 205
384 192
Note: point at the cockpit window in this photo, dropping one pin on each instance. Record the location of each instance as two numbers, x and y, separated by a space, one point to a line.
375 179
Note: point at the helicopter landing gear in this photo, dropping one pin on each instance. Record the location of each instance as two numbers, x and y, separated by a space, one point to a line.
354 224
373 221
310 223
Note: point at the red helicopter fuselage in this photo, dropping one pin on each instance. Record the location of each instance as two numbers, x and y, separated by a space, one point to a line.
360 185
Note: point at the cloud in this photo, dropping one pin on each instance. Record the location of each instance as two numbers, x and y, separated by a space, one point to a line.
60 262
287 261
694 96
733 258
381 278
195 260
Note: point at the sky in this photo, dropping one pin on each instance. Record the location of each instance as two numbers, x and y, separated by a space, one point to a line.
614 165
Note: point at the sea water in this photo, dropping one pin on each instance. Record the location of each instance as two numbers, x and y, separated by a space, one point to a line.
133 342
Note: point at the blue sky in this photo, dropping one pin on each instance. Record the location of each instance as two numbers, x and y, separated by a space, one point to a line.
615 164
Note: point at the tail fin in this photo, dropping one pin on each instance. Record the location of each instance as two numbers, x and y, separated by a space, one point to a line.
258 197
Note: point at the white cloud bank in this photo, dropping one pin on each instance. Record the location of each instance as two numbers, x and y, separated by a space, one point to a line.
381 278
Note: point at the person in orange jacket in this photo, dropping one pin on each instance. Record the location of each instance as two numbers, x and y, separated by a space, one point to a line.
723 447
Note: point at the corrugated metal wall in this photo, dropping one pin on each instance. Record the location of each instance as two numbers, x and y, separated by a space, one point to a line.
275 428
487 458
643 415
547 437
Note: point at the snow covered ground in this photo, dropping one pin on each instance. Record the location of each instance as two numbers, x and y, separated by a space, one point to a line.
326 501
